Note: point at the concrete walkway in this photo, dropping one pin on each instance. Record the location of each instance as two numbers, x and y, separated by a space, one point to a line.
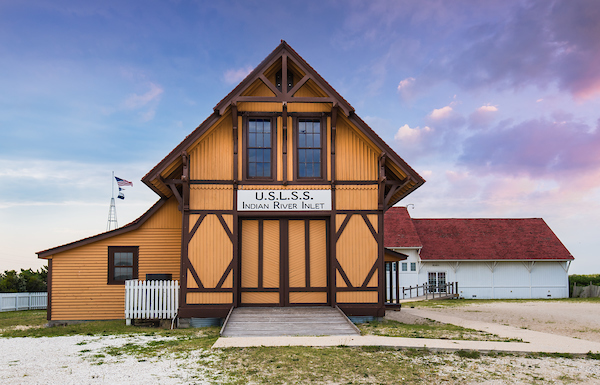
533 341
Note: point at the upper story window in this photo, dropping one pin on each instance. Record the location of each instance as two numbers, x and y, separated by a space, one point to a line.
122 263
310 148
259 147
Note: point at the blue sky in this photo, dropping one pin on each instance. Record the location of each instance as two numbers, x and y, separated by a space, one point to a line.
495 103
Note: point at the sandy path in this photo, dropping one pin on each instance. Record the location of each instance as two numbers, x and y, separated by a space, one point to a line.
82 360
580 320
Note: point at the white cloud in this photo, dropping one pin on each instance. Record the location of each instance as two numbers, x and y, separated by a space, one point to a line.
407 134
483 116
406 88
487 108
233 76
135 101
406 83
441 113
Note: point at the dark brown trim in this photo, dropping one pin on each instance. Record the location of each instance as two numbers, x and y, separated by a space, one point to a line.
224 276
209 212
245 133
49 289
129 227
370 274
176 194
192 270
183 260
323 140
236 250
284 134
225 226
307 289
284 51
356 182
212 181
306 253
342 227
343 275
270 85
176 153
284 262
278 214
358 289
358 212
194 229
111 263
209 290
261 241
298 85
370 226
260 290
204 311
380 262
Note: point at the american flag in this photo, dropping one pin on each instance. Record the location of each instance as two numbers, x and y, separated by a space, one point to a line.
123 182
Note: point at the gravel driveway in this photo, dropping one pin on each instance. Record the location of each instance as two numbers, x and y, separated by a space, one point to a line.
572 319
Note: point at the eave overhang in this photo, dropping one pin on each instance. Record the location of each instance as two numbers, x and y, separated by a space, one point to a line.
399 179
45 254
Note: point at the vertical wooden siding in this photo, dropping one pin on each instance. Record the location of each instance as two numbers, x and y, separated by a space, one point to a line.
211 158
356 250
210 251
356 157
318 254
356 197
271 254
79 275
211 197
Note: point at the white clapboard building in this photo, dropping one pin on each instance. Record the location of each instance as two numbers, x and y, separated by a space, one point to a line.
489 258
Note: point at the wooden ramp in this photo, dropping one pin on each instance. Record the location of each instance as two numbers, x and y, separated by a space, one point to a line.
287 321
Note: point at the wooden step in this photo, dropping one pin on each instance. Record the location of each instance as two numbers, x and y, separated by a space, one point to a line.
287 321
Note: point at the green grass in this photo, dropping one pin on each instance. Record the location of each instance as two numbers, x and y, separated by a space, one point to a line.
339 365
467 302
434 330
11 319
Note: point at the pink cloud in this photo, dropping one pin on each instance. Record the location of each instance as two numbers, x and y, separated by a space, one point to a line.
537 148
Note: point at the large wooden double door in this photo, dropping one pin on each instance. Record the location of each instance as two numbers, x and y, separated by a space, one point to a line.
284 262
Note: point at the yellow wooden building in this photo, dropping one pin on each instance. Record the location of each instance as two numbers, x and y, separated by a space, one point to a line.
276 199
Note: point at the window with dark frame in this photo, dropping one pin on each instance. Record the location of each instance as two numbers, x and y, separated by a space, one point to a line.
259 148
309 149
122 264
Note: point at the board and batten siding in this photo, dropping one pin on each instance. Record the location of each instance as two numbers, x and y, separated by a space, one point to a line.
79 276
508 280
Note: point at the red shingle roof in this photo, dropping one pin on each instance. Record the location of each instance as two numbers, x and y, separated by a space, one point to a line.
474 239
399 229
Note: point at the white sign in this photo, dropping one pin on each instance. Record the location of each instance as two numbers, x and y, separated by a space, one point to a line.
284 200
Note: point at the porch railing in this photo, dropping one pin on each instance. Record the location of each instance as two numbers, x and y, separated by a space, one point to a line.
151 299
426 291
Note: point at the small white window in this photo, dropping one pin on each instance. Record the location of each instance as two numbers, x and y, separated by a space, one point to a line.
404 266
413 266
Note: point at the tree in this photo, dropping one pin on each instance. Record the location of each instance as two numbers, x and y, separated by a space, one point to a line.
24 281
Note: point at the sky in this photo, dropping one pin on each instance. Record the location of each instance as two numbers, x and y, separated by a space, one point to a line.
495 103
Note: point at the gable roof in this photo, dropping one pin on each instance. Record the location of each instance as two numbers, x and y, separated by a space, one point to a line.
397 187
123 229
399 230
525 239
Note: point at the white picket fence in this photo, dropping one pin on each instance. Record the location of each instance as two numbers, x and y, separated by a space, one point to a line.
23 301
151 299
